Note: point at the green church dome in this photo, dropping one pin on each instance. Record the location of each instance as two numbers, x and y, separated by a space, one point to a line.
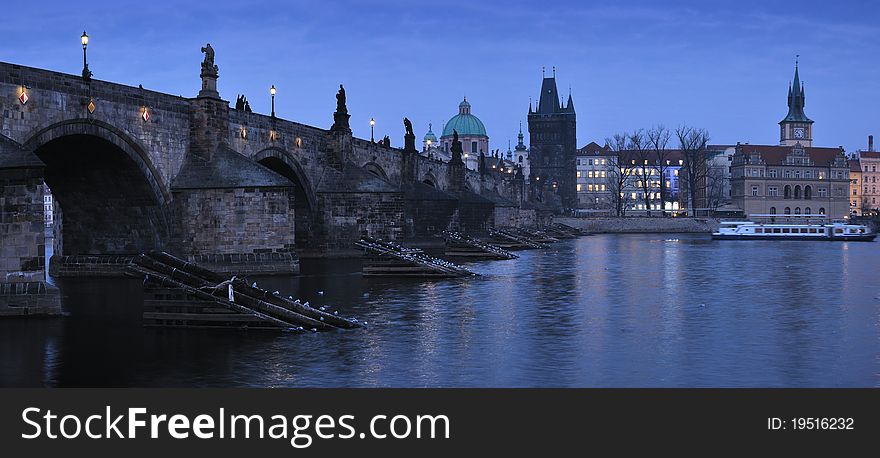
464 123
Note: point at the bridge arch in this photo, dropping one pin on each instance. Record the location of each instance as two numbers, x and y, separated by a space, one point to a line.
376 169
285 164
111 198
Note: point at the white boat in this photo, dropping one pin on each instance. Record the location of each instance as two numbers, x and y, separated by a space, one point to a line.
806 230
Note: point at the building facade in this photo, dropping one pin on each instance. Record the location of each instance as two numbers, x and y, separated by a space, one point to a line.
592 168
855 186
790 180
553 148
870 163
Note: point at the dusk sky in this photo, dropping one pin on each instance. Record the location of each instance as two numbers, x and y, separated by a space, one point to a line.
724 66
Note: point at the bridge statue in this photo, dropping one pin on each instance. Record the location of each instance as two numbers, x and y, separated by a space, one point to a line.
409 139
341 116
208 66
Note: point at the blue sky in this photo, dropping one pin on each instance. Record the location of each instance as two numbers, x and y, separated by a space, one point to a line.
724 66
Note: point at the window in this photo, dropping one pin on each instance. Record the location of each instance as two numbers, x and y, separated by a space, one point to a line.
822 211
785 230
590 174
754 190
772 210
603 174
788 174
823 192
776 230
807 211
808 192
786 192
787 210
590 161
474 149
808 174
797 173
603 187
579 187
773 173
772 191
578 174
797 210
813 230
797 192
759 230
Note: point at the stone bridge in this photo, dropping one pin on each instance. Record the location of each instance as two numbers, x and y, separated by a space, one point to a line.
133 169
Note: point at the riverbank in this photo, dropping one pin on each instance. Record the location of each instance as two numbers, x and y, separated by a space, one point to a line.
641 225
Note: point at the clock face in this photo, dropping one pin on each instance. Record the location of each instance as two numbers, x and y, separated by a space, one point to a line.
799 132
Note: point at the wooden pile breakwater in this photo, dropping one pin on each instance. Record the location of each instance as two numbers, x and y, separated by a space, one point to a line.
391 259
510 240
564 231
459 245
181 294
536 235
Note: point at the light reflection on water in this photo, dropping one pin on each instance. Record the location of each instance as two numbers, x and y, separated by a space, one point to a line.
607 310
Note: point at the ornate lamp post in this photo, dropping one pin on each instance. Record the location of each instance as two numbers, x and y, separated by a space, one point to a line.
87 74
272 92
372 125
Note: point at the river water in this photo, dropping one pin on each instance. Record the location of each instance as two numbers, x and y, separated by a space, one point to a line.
651 310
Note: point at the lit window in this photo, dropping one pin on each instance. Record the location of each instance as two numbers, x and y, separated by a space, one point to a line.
579 187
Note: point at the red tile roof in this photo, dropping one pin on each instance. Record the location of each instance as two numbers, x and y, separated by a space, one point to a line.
870 154
854 165
775 155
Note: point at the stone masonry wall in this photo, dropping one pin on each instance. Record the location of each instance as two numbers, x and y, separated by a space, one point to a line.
351 216
235 226
23 290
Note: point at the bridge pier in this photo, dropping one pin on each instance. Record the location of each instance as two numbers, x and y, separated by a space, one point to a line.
23 287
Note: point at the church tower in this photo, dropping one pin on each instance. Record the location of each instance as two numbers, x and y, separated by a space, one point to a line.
796 127
553 148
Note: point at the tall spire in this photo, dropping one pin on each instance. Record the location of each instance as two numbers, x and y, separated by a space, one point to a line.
520 146
796 98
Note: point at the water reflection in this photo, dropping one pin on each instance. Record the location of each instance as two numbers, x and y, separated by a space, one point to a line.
607 310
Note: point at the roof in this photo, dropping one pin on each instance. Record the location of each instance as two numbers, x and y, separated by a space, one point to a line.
421 191
430 135
593 149
226 169
796 101
13 156
869 154
855 165
352 178
467 125
775 155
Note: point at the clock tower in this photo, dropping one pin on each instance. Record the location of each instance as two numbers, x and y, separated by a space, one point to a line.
796 127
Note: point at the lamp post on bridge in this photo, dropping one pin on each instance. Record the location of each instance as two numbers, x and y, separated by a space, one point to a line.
272 92
86 74
372 125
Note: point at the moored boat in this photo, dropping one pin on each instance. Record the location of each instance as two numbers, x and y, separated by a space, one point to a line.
835 231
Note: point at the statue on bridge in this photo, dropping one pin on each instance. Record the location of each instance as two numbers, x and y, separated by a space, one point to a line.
208 66
341 116
409 139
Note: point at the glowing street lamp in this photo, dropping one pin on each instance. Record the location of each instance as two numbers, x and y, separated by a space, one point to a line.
86 74
372 125
272 91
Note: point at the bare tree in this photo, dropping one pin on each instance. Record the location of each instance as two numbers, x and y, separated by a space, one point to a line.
658 140
692 142
715 183
640 151
620 171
